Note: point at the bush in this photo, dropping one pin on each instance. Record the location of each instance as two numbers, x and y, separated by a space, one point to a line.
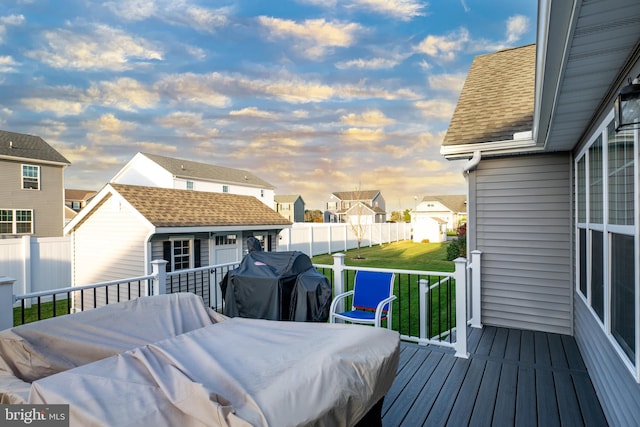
458 248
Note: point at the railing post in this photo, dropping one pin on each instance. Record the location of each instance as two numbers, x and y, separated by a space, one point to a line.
338 277
476 318
424 308
159 270
460 276
6 302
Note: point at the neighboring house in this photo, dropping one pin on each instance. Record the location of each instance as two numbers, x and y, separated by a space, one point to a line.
291 207
167 172
69 214
125 227
553 189
362 207
78 199
32 190
435 215
452 209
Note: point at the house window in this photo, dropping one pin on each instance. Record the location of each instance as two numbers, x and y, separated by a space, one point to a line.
189 185
16 221
261 193
30 177
225 188
75 205
606 233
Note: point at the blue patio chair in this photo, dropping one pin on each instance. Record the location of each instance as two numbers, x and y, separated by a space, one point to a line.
372 296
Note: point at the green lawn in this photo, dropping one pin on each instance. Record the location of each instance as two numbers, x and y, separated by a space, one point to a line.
46 311
404 255
407 255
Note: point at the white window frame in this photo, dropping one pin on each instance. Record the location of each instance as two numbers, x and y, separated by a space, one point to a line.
25 178
190 246
607 229
15 222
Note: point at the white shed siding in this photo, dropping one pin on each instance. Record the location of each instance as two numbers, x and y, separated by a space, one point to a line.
522 226
109 245
617 390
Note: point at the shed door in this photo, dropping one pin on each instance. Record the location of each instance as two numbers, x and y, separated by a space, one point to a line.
226 248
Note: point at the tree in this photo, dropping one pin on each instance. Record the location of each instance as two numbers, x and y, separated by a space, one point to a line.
407 215
357 220
313 215
396 217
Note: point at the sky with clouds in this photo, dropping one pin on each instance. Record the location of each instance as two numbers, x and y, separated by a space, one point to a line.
313 96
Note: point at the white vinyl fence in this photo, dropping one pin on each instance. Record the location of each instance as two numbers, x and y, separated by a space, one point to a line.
37 263
44 263
325 238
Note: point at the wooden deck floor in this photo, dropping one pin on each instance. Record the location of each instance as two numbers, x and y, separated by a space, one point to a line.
511 378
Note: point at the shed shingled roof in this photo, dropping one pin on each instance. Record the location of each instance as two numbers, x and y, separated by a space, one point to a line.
29 147
497 99
207 172
287 198
165 207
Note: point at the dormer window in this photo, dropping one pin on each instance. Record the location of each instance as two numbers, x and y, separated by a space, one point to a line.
30 177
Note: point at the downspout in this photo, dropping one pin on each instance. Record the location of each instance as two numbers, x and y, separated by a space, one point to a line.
470 166
472 163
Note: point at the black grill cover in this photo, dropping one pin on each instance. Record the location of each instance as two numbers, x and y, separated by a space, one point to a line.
277 286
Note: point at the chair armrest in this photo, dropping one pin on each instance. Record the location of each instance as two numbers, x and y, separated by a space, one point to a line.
381 306
336 300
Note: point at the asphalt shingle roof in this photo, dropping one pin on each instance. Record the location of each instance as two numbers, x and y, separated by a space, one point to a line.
456 203
28 147
497 98
287 198
207 172
165 207
356 195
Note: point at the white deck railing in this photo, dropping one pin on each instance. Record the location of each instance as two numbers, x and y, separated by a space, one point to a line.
466 279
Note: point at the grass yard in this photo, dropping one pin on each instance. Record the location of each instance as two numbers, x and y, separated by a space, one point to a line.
407 255
46 311
404 255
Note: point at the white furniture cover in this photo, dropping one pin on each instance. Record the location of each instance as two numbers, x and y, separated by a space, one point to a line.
233 371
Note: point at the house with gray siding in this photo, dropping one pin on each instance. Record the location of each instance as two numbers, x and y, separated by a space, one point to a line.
32 190
553 188
125 227
290 206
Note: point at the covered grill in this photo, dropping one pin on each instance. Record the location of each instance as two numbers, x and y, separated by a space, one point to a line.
277 286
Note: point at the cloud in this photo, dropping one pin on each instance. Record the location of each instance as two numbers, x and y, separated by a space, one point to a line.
99 47
10 20
312 38
368 64
253 112
190 88
59 107
371 118
363 135
444 47
124 94
109 123
447 82
438 109
8 64
173 12
516 26
404 10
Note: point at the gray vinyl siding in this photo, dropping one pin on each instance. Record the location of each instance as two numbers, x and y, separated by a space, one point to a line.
47 203
617 390
521 218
